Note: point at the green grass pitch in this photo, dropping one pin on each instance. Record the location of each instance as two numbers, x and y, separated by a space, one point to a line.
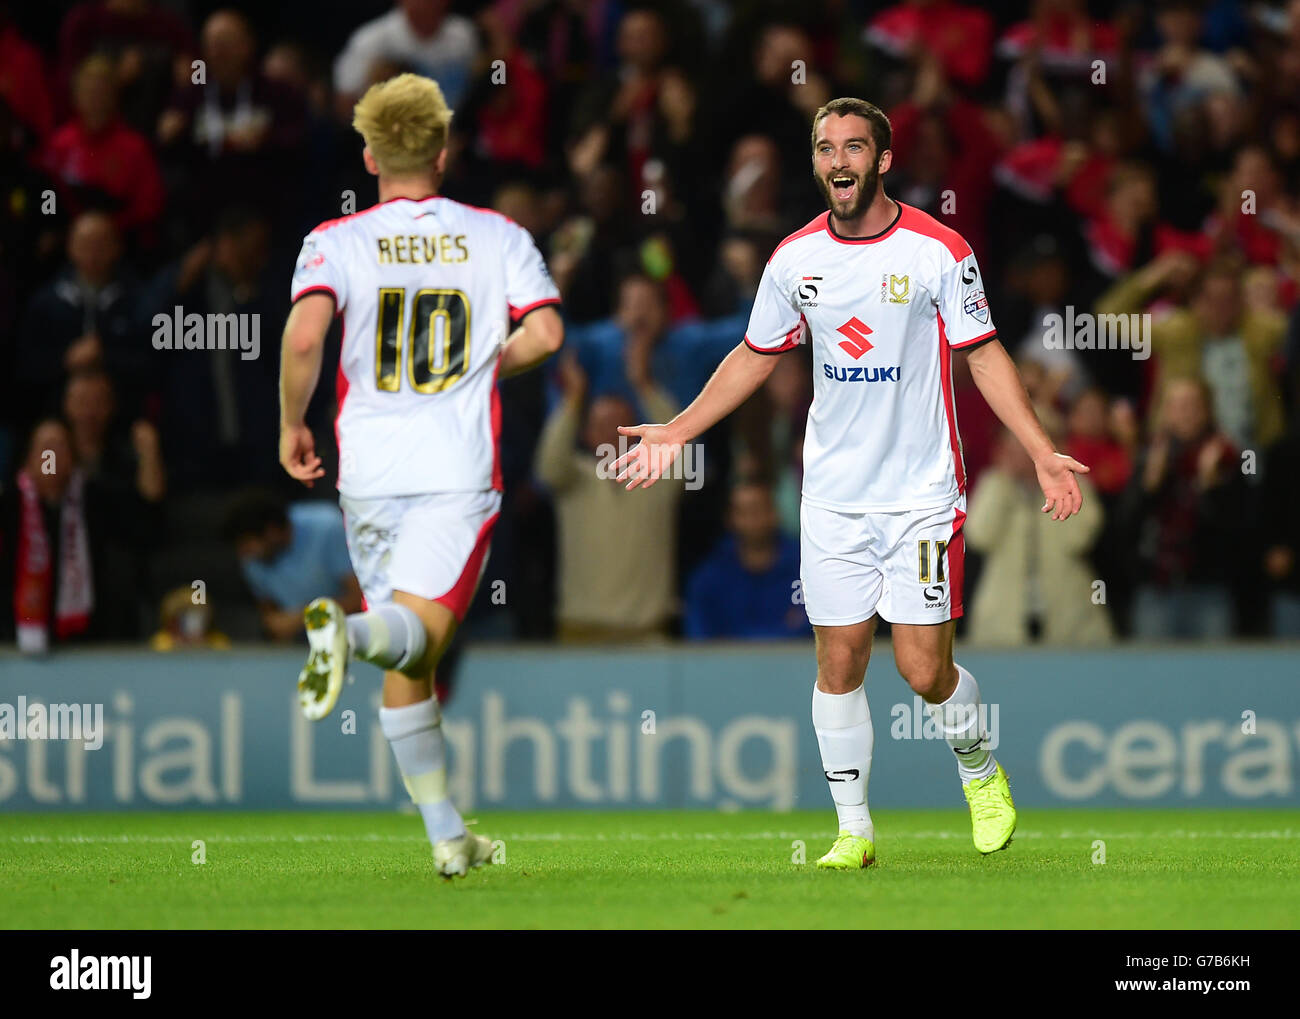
1162 869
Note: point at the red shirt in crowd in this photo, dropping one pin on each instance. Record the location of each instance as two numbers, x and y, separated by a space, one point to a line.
22 82
961 37
116 161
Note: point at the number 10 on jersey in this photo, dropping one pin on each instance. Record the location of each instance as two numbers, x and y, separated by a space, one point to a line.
436 342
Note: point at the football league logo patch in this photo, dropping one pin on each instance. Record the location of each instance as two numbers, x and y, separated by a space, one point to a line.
976 306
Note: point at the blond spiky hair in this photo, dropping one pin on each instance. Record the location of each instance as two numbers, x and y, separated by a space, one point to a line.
404 121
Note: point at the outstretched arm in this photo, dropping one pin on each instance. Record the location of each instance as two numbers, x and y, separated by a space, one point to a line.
998 381
301 351
740 374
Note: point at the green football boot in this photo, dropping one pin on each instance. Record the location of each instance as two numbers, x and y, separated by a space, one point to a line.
992 812
850 852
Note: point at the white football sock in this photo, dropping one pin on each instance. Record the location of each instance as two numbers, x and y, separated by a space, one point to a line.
958 719
415 734
389 635
844 734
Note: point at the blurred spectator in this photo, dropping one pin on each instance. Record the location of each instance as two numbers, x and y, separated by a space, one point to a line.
1120 234
614 118
416 35
220 408
1104 435
1254 214
1181 73
1038 282
1092 440
1037 579
23 87
1062 35
616 549
291 555
113 460
1215 338
149 44
590 249
101 162
233 135
944 155
1280 509
1184 508
87 317
767 82
185 624
69 550
504 117
681 358
748 588
960 37
752 189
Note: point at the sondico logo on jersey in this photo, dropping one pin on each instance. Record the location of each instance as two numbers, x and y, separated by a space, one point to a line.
807 291
856 344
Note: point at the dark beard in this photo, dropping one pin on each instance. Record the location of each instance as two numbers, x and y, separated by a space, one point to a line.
862 201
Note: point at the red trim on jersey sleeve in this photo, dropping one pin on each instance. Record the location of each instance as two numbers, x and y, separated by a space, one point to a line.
956 553
462 592
817 224
922 223
316 288
949 407
518 313
789 343
977 340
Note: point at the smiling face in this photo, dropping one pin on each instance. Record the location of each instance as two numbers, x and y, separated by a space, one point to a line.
846 166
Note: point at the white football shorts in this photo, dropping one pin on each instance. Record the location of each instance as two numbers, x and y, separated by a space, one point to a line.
907 565
432 546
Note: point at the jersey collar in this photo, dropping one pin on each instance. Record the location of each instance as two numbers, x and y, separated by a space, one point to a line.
874 238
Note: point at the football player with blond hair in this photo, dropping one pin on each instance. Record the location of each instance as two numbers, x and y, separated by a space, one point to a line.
437 300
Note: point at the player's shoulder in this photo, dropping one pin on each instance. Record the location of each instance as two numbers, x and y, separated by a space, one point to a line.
922 224
792 243
478 215
343 224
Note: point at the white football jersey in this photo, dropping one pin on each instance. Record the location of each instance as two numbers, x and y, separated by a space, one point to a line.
427 291
883 314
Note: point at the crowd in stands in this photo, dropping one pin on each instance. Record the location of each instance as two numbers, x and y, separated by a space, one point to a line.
1103 159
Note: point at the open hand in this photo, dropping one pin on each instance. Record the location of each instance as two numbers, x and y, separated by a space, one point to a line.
1056 477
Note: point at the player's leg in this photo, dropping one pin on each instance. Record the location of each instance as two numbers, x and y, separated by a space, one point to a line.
432 549
385 634
922 599
842 721
840 587
411 720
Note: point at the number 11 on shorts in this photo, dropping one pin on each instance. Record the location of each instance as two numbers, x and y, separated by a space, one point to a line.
926 555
